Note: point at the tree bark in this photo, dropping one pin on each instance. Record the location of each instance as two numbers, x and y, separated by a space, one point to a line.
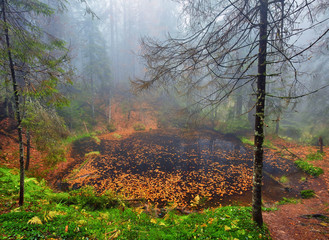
28 150
259 118
17 105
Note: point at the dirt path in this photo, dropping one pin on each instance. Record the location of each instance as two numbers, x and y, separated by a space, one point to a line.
290 222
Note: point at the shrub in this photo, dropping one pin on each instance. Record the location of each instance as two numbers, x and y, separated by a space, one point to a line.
139 127
87 198
314 156
111 127
309 168
307 193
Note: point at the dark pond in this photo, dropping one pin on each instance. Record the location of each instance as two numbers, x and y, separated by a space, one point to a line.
204 168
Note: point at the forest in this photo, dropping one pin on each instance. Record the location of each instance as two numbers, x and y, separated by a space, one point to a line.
166 119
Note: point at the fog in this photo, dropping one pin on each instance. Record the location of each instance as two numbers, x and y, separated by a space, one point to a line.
189 100
105 49
115 46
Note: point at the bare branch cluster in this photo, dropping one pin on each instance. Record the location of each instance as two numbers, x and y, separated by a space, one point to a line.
219 50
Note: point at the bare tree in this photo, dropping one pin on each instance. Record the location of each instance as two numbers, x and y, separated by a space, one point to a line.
231 44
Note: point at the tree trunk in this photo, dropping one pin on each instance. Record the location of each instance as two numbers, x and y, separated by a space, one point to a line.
321 144
239 101
17 105
277 126
259 118
28 148
110 112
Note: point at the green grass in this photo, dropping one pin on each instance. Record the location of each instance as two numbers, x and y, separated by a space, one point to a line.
117 136
309 168
248 141
303 179
283 179
84 214
288 200
307 193
314 156
73 138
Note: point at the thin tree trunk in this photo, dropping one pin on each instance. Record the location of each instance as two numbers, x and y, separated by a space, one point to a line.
239 101
28 150
17 105
110 112
277 126
321 144
259 119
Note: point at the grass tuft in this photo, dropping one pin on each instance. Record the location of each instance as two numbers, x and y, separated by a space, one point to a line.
309 168
307 194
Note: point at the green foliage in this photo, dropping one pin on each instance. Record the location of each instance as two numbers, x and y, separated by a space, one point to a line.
284 179
307 193
97 140
303 179
117 136
309 168
70 216
267 143
48 131
72 138
9 188
314 156
247 141
269 209
139 127
287 200
87 198
77 115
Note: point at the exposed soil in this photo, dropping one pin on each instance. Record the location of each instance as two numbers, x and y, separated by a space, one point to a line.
295 221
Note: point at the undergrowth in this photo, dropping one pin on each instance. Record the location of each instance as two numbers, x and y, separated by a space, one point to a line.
309 168
84 214
308 193
267 143
314 156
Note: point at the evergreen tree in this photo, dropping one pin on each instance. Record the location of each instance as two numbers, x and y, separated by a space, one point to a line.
31 59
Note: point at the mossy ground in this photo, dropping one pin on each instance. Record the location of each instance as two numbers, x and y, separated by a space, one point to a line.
83 214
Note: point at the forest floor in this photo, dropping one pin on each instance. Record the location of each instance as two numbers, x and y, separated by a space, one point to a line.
293 221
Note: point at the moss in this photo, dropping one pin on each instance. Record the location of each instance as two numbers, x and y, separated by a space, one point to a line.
92 153
284 179
305 194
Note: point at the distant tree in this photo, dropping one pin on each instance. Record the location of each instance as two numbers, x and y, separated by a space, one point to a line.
231 44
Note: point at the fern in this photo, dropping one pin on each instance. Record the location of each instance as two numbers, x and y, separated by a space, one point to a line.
35 220
48 216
